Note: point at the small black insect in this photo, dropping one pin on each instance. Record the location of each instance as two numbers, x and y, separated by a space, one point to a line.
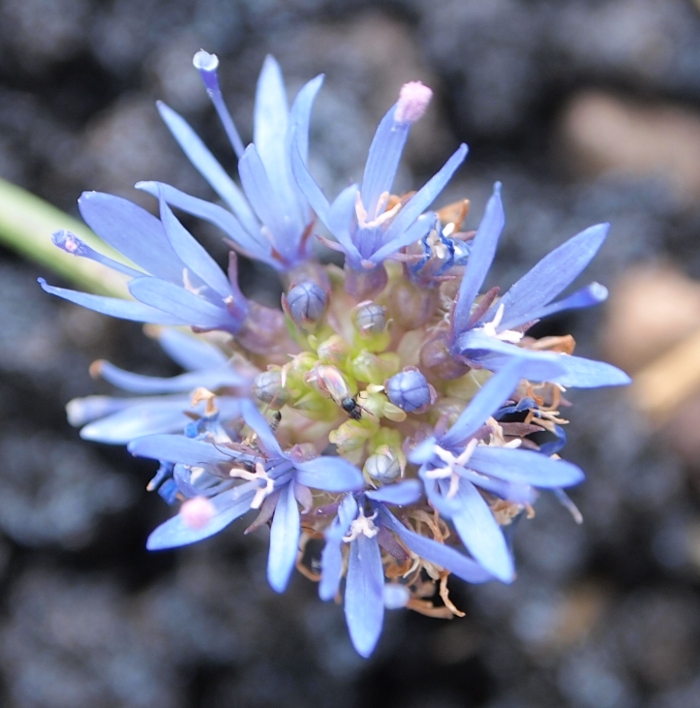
351 407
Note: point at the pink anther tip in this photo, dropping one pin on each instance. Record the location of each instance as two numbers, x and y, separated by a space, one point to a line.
413 101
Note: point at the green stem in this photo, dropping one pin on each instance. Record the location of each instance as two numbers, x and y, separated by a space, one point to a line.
26 225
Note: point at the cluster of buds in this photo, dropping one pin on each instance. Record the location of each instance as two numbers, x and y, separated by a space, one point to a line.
389 409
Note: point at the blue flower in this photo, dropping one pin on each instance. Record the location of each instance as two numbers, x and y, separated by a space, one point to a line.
485 334
179 284
269 474
456 464
272 222
114 420
367 228
364 521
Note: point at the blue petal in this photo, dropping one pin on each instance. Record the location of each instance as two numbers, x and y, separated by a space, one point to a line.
268 203
114 306
420 228
332 474
550 276
495 354
192 254
435 552
588 373
526 466
190 308
284 540
395 236
341 217
483 249
177 448
383 160
208 166
401 493
300 116
480 532
271 117
364 604
307 184
82 410
250 244
592 294
139 417
486 402
137 383
331 569
191 353
256 420
132 231
174 532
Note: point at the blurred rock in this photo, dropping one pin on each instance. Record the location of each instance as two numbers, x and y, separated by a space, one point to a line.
604 133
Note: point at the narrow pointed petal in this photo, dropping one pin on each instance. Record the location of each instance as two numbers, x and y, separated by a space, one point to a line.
419 202
137 383
400 494
188 307
191 252
174 532
177 448
592 294
486 402
256 420
524 466
208 166
364 604
414 233
481 254
341 217
300 115
114 306
332 474
307 184
589 373
495 354
190 352
268 203
331 570
250 244
551 275
271 115
383 160
284 540
141 417
481 534
132 231
445 556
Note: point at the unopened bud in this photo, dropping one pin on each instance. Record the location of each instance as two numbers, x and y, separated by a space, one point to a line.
267 387
410 391
370 319
305 303
383 466
437 361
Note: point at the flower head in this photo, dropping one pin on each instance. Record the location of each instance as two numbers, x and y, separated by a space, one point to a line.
387 408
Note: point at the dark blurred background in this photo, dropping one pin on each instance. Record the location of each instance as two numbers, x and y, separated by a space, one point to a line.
588 111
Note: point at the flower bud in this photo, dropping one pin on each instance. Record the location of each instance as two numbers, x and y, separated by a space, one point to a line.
267 387
370 319
333 350
437 361
383 466
305 303
410 391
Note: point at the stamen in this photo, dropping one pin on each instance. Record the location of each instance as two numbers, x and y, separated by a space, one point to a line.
362 525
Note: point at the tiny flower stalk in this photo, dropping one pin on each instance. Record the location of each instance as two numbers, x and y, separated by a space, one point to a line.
389 408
